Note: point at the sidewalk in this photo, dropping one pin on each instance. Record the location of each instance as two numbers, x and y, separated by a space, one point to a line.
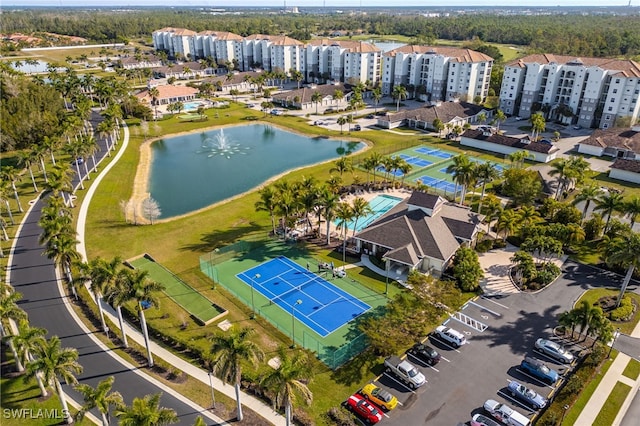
614 375
248 401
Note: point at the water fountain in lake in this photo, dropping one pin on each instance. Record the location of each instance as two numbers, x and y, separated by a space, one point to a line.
220 145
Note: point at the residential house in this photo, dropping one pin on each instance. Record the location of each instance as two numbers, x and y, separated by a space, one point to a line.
301 98
450 113
626 169
422 232
616 142
169 94
486 140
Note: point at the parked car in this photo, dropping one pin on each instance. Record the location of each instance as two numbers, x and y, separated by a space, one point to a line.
505 414
78 161
380 397
357 128
363 408
404 371
425 353
482 420
370 116
554 350
382 112
538 369
451 336
526 395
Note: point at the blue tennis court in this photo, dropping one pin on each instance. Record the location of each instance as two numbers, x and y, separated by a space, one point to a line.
433 152
415 161
314 301
396 173
437 183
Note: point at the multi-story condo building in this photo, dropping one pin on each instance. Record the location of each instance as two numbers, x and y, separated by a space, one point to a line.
589 92
324 59
439 73
342 60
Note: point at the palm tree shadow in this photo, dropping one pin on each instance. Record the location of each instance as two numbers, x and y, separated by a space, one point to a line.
218 238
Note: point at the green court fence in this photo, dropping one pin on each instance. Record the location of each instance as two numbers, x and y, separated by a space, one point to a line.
331 355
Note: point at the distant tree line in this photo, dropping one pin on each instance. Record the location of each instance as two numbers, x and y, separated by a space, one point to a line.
598 36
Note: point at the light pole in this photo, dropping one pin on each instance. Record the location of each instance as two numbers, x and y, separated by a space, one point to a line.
253 306
564 413
213 396
386 281
293 323
615 336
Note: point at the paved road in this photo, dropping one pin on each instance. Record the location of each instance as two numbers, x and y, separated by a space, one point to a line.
33 275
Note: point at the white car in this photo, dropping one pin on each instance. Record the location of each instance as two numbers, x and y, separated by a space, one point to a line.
554 350
451 336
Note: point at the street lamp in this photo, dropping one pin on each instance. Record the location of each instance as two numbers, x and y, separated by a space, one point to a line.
293 323
615 336
253 306
213 396
564 413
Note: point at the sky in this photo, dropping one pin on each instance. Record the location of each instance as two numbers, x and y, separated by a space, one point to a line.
328 3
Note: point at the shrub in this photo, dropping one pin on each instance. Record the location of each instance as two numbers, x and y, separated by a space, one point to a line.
548 273
624 311
498 244
484 246
340 417
593 228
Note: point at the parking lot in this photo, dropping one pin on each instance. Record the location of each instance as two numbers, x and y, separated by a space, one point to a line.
500 332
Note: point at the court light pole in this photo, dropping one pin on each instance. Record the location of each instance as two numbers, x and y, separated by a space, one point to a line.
253 306
293 323
213 396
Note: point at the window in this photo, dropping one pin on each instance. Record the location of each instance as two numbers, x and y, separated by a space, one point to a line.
513 80
610 109
615 91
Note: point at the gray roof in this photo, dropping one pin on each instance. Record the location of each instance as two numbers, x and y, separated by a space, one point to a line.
305 93
623 138
423 199
520 143
412 234
445 111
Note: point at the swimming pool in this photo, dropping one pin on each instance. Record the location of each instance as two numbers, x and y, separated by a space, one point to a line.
380 205
193 105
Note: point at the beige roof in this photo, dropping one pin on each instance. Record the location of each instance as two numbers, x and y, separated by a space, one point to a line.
168 92
627 67
284 41
351 45
624 138
258 37
445 111
461 55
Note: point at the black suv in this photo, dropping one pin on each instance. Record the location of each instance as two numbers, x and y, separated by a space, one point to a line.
425 353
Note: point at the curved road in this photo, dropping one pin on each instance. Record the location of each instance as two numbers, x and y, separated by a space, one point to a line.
33 275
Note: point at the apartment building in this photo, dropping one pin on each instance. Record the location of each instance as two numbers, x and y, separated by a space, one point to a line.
437 73
319 60
589 92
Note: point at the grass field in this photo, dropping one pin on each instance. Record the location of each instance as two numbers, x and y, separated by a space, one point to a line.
612 405
632 370
203 310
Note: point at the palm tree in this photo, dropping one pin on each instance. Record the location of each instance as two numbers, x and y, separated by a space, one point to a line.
341 165
463 174
316 98
569 319
342 120
360 208
562 169
328 200
625 251
587 194
101 398
399 93
9 311
60 181
518 157
528 215
438 125
289 381
507 222
10 174
143 289
154 93
62 250
585 313
500 118
100 275
485 173
371 164
338 95
230 349
25 342
146 411
405 168
537 124
344 214
4 198
609 204
631 208
117 294
267 203
376 94
27 158
55 362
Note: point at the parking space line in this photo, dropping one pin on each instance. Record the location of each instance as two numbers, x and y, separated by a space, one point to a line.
469 322
399 382
497 314
493 301
524 373
550 358
515 401
422 362
444 359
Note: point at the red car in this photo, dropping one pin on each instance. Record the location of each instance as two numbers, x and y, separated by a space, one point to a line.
369 412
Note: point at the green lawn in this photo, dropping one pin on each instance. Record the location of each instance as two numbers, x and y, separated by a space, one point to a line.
585 395
594 295
632 369
613 404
